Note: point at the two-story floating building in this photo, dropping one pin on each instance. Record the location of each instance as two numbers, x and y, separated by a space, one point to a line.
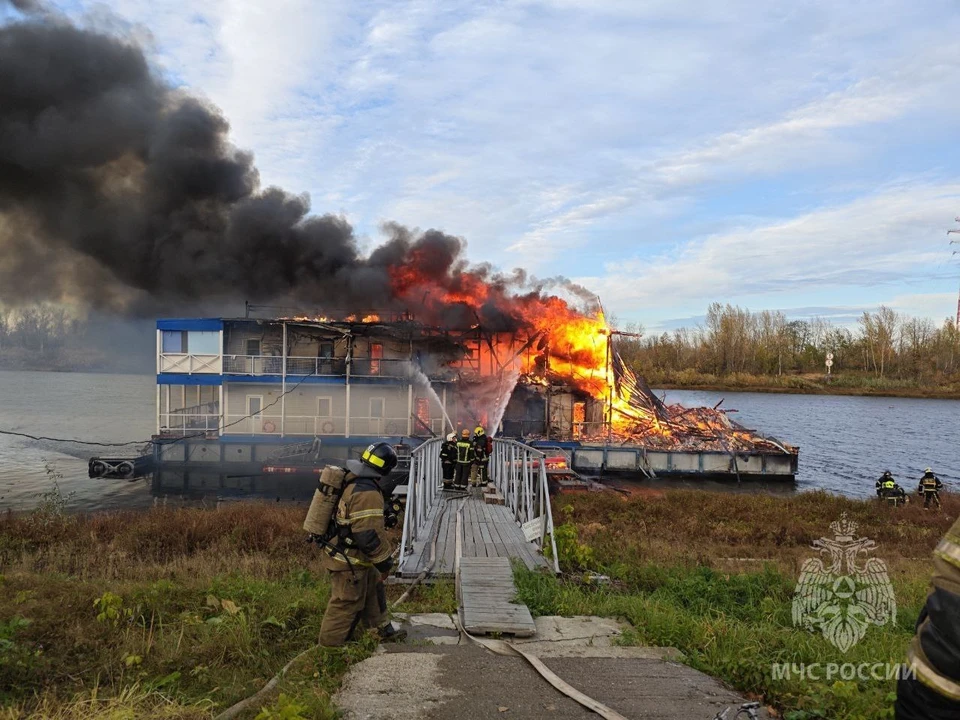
233 394
238 388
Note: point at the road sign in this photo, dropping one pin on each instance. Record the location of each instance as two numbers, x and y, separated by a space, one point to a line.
829 357
829 363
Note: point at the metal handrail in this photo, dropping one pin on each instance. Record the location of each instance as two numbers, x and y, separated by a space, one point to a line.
424 486
518 471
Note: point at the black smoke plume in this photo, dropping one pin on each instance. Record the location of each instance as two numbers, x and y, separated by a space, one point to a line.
123 195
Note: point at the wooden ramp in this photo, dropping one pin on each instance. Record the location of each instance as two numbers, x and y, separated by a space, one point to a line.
489 531
485 588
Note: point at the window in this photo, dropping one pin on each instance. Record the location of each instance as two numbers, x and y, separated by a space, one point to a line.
192 342
254 405
376 355
173 341
325 407
326 350
203 343
579 416
376 407
423 412
253 347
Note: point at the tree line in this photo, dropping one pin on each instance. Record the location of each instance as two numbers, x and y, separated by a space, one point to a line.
884 344
41 329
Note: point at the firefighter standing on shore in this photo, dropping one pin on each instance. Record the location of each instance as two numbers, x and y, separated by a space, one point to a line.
885 483
465 458
481 462
931 688
930 487
448 460
358 556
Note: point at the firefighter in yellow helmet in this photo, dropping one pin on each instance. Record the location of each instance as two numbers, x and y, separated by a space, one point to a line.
481 459
358 556
930 689
465 458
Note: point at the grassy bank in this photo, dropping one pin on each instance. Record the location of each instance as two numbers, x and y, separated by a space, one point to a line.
714 575
806 384
165 614
180 613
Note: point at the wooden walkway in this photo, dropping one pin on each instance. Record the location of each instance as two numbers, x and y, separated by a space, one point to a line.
489 531
485 589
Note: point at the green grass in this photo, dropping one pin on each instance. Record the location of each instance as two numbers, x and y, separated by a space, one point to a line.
162 614
181 613
714 575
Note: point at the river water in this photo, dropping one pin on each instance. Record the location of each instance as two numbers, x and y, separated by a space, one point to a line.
845 442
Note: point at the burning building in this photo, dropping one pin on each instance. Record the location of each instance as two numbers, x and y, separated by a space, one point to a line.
163 215
238 388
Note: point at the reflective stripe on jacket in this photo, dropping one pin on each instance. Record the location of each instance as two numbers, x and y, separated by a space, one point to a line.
465 452
934 654
361 535
448 452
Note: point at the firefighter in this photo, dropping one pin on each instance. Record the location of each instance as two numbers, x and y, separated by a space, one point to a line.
885 482
448 460
896 495
930 690
930 487
465 457
481 457
359 554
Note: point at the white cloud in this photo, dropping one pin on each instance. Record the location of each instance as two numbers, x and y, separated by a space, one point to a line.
547 130
890 237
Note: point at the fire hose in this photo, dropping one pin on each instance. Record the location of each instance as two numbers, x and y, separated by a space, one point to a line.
237 708
502 647
498 647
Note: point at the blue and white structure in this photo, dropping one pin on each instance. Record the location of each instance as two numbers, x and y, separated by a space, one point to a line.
242 383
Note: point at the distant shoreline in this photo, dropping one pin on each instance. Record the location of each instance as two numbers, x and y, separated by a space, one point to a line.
907 392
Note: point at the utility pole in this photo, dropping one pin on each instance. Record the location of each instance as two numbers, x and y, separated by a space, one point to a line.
953 242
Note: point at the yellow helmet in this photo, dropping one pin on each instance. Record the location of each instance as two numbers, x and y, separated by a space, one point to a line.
478 430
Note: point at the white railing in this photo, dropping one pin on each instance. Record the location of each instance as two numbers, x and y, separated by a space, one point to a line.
424 485
322 366
274 424
519 473
187 363
517 470
178 423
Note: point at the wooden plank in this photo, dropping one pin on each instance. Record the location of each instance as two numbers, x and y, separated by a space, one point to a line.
486 588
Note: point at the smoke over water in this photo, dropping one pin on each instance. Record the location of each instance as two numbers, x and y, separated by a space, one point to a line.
121 194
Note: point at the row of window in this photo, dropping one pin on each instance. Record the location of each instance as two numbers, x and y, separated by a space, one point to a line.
325 406
196 342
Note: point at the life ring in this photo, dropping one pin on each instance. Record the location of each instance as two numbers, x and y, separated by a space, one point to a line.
269 427
97 468
125 469
328 427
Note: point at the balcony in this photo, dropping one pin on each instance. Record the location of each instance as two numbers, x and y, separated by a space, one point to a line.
318 366
190 363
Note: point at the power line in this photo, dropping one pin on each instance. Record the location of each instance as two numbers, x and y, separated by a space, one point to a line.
152 441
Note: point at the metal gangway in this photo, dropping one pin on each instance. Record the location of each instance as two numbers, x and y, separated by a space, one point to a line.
518 528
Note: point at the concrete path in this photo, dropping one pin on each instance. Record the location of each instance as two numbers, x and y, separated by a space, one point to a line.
435 674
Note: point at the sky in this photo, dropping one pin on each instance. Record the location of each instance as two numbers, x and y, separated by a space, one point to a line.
798 156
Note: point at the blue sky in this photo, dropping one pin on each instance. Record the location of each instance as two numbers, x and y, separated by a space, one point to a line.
800 156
